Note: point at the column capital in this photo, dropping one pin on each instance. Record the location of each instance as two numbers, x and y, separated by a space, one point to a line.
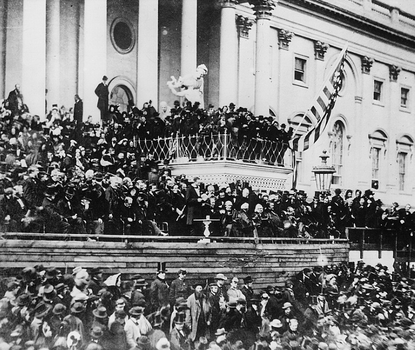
227 3
367 63
263 8
394 72
244 25
320 49
284 38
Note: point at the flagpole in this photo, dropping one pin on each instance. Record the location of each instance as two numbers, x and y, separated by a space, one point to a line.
325 82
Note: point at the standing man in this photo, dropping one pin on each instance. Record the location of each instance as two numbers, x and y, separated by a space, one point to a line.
159 289
179 287
15 101
78 109
102 92
194 206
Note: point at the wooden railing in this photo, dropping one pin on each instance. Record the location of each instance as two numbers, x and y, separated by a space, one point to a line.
138 238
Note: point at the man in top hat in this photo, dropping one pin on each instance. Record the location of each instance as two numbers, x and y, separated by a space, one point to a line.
102 93
179 287
159 289
179 334
95 283
247 289
41 311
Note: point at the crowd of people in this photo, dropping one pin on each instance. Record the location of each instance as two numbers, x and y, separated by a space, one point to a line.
65 175
336 307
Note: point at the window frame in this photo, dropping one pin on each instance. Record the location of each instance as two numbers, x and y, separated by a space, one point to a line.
305 59
381 93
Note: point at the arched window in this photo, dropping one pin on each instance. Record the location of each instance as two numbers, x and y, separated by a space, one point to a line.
404 148
121 96
378 147
337 146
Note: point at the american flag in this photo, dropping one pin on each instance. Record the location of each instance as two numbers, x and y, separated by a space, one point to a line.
322 106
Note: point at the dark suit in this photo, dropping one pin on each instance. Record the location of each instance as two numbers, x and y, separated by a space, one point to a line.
78 111
193 205
102 92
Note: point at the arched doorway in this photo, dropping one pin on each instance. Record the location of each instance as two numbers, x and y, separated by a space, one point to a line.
121 96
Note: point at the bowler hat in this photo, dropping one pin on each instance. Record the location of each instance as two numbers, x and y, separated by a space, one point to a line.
221 276
42 310
59 309
77 308
96 332
287 305
143 341
95 271
136 311
104 77
232 304
100 312
220 331
276 323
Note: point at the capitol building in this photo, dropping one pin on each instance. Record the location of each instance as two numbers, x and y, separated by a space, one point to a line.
270 56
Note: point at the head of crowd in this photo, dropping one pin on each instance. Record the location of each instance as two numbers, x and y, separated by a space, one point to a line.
338 307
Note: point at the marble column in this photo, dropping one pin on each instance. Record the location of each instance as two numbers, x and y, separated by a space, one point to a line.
262 10
95 54
53 52
228 60
34 55
147 52
3 28
189 37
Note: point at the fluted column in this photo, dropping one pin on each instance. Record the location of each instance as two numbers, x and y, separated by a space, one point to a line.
53 52
228 65
147 56
34 55
189 37
95 53
262 10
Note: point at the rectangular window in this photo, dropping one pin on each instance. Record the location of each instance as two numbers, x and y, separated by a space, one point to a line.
299 70
402 168
404 97
375 162
377 90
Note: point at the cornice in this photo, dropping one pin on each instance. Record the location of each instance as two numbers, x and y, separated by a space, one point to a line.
354 20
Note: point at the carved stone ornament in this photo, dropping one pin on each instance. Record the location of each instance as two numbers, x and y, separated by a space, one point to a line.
244 25
263 8
284 38
394 72
227 3
367 63
320 49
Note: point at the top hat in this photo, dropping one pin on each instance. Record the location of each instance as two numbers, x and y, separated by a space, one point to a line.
161 267
180 318
248 279
95 271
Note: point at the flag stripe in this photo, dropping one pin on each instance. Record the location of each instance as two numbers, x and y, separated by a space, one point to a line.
322 106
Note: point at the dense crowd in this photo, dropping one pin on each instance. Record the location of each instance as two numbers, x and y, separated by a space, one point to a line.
336 307
65 175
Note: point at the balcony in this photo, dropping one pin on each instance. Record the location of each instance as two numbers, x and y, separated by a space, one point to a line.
221 159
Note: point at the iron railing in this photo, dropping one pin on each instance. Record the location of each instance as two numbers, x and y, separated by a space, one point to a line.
216 147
